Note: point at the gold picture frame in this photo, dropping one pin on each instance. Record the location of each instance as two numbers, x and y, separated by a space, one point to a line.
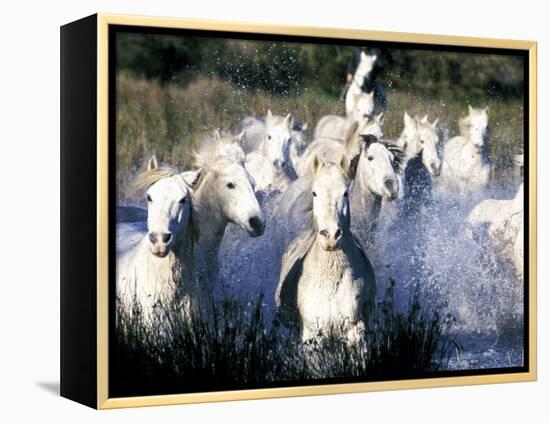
103 21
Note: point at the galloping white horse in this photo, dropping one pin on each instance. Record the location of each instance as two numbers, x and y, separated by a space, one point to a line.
222 194
359 103
158 272
503 221
270 164
466 166
374 169
419 141
327 284
228 146
330 146
336 127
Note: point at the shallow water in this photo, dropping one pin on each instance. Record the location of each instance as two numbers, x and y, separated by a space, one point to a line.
427 252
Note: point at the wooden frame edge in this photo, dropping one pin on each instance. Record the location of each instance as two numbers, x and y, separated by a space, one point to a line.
103 400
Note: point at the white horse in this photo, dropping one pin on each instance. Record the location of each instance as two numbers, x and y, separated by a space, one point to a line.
327 284
503 221
330 147
157 273
375 168
419 142
223 194
270 164
228 146
336 127
359 103
298 143
466 166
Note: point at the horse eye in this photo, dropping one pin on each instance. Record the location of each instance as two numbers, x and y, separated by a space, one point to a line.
230 185
149 199
370 158
345 194
421 141
269 137
182 201
314 193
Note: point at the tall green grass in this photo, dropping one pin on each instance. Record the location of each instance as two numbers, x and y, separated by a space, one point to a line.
232 344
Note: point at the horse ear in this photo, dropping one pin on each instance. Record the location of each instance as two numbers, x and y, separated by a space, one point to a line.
217 135
374 57
288 120
486 109
269 115
192 177
371 94
470 109
363 55
409 121
317 164
349 167
380 118
240 137
424 119
435 122
152 164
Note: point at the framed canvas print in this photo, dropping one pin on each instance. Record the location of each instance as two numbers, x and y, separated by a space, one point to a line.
254 211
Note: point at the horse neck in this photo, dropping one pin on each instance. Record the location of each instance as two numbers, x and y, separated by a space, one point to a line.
171 269
362 197
352 146
408 152
330 263
208 218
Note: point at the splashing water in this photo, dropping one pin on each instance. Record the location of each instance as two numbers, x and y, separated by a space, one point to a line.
428 252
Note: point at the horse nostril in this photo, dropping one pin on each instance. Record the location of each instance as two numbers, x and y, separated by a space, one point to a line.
255 223
152 238
324 233
337 234
390 184
166 237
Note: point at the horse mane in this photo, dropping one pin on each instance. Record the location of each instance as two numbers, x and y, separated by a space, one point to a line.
397 151
350 136
145 179
207 149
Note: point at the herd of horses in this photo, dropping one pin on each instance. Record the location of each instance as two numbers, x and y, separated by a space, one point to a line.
331 192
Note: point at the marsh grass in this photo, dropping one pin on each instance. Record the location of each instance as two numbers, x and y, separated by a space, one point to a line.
171 119
230 344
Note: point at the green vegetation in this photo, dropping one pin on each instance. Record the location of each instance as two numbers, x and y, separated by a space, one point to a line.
170 120
231 345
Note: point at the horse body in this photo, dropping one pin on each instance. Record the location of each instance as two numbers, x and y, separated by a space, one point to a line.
466 166
223 195
331 146
158 270
503 221
187 215
268 158
327 283
419 141
364 96
336 127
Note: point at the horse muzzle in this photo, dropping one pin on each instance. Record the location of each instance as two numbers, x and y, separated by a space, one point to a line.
256 226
